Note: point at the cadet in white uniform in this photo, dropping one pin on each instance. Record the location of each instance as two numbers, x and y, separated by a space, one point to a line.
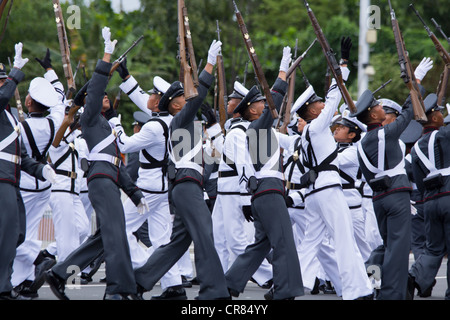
38 133
319 156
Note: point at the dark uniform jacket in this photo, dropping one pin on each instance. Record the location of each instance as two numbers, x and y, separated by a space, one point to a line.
10 172
96 128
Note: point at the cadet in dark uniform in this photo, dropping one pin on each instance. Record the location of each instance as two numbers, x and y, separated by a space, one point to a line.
13 159
192 217
431 169
383 165
273 228
105 175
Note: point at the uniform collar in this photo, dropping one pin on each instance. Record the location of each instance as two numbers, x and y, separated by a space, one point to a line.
160 114
36 115
344 144
429 129
373 126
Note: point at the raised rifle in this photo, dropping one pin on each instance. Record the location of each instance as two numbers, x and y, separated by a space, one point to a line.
327 83
331 59
245 73
117 100
119 60
188 70
442 87
438 28
406 70
255 62
221 101
64 49
18 100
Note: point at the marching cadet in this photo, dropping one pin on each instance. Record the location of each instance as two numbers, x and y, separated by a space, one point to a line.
347 134
431 169
151 142
264 179
14 160
105 175
322 180
232 232
391 186
44 95
192 217
239 92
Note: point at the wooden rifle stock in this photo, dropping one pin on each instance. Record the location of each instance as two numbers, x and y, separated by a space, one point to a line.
406 71
117 100
442 86
222 87
64 49
255 62
331 59
186 71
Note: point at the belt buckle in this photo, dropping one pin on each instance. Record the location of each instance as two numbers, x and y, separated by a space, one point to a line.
288 185
116 161
15 159
73 175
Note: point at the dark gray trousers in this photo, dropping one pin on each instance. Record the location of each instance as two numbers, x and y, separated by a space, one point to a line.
273 230
437 226
393 214
192 223
110 237
418 238
12 231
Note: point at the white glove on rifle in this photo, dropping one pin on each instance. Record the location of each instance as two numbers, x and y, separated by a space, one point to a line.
213 52
19 62
49 174
424 66
142 207
286 60
109 46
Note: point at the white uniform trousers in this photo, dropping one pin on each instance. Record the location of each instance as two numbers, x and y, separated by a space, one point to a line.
88 209
328 211
35 206
70 222
373 236
359 227
312 267
231 235
159 230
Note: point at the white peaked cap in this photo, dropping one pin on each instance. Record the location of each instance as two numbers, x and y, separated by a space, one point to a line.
390 104
308 93
239 88
160 84
42 91
353 121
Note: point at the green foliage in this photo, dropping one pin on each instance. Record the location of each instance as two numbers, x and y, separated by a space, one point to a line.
272 24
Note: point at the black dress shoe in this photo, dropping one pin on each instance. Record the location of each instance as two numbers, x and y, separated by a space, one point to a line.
327 288
39 271
269 294
266 285
115 296
315 289
195 282
368 297
233 293
410 287
172 293
185 282
25 290
12 295
57 285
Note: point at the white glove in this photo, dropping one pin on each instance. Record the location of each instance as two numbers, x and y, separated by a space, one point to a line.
142 207
213 52
49 174
286 60
424 66
345 73
19 62
109 46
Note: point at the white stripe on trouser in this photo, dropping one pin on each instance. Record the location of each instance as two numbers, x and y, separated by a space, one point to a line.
159 229
35 205
334 217
232 234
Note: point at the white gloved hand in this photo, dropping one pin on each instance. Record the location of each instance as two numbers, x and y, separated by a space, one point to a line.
19 62
424 66
142 207
213 52
286 60
49 174
109 45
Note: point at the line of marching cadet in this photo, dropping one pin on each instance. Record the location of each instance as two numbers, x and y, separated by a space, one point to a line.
338 197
